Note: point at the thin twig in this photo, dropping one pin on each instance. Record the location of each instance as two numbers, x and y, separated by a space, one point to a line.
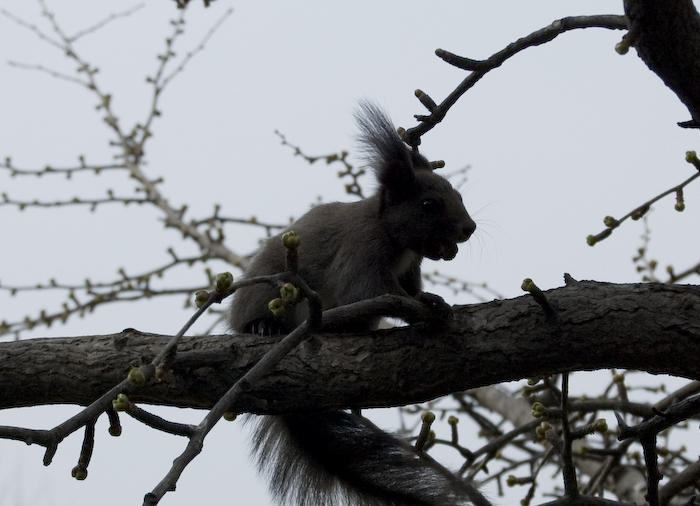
106 21
651 459
480 68
689 477
32 28
638 212
568 469
67 171
197 49
223 405
50 72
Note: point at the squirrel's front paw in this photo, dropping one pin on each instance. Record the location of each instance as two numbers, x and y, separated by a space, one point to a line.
439 309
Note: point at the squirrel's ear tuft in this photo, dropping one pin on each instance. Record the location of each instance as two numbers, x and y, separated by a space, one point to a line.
383 149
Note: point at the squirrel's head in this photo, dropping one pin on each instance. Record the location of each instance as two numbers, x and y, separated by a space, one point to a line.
420 210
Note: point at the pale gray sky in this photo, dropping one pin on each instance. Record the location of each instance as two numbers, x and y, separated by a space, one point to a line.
558 137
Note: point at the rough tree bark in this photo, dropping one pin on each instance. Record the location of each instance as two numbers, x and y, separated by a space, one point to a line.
651 327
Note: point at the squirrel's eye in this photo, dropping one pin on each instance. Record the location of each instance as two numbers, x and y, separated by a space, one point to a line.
431 206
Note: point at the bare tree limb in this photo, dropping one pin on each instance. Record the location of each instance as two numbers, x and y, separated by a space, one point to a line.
688 477
603 326
479 68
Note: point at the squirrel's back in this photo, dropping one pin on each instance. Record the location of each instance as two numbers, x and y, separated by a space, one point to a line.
350 252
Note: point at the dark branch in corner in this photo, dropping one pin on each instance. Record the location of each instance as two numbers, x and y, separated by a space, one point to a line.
666 36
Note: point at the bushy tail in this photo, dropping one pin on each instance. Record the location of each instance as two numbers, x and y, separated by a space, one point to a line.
331 458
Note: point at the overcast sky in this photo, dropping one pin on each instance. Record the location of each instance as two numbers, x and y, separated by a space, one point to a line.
557 138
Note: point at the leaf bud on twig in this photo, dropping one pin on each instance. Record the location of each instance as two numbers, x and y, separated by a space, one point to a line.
200 298
121 403
223 281
291 240
276 306
289 292
79 473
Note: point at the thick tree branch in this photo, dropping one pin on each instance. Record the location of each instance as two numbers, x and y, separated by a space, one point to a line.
643 326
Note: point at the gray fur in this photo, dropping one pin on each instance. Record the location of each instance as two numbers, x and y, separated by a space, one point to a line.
350 252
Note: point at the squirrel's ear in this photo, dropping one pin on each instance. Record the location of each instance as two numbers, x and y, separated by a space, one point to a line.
384 151
421 163
396 174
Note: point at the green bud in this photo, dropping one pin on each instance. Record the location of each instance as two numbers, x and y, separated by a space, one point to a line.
680 206
511 481
538 410
691 157
224 281
276 306
601 425
121 403
291 240
79 473
528 285
541 430
427 417
136 377
610 221
230 416
289 292
200 298
622 47
452 420
592 240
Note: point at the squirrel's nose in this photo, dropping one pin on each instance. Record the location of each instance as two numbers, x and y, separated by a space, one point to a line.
468 229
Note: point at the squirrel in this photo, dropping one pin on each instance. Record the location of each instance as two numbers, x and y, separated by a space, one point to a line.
351 252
